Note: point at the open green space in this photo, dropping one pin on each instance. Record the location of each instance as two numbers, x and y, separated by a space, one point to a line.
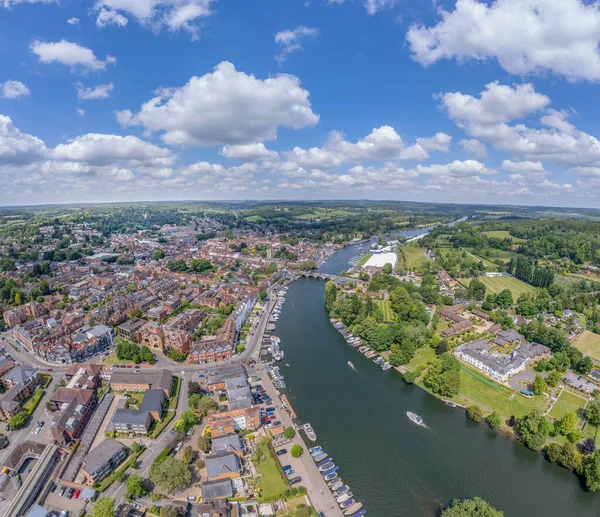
589 344
388 313
504 234
476 388
488 263
492 254
421 357
364 260
567 402
271 481
498 283
411 257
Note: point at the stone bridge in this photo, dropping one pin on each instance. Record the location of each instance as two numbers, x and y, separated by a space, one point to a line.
336 278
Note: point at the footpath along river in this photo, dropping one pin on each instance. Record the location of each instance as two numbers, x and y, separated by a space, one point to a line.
395 468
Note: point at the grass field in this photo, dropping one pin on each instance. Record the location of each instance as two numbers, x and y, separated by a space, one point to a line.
421 357
474 387
388 313
271 481
488 263
567 402
503 234
496 284
364 259
589 344
412 257
492 254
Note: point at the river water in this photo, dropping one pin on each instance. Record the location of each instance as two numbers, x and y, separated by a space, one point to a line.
395 468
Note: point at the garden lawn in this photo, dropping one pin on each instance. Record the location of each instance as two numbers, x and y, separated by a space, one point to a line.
364 259
494 285
271 482
388 313
476 388
112 359
567 402
421 357
589 344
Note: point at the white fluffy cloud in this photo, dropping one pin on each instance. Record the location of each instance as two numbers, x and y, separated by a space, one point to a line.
525 36
70 54
17 147
488 118
473 147
225 107
13 90
80 112
291 40
438 142
73 21
173 15
382 143
102 91
102 149
108 17
372 6
458 168
249 152
497 103
8 4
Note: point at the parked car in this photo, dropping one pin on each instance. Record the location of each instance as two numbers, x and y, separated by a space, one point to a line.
276 423
76 494
62 490
286 467
281 451
190 499
290 472
69 493
135 505
129 366
270 409
50 370
295 480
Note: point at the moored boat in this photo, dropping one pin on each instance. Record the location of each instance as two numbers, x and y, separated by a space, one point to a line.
330 477
320 457
343 497
336 485
449 403
326 466
310 433
346 503
315 449
332 470
353 508
324 461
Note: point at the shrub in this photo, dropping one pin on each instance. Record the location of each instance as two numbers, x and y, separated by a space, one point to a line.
297 451
289 433
475 412
493 420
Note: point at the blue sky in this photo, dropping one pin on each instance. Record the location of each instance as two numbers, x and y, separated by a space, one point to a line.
468 101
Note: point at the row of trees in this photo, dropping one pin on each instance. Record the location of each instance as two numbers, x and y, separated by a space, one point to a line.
195 265
131 352
524 269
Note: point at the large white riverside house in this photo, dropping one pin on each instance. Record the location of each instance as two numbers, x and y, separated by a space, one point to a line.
485 355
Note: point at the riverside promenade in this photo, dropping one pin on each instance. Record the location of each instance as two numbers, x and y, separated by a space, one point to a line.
317 490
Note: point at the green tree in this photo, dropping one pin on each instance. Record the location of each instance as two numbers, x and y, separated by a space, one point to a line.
553 451
553 380
19 420
188 455
539 385
475 507
533 429
186 422
262 295
289 433
592 412
205 405
567 423
135 486
104 507
170 474
475 412
442 377
591 472
493 420
387 268
203 442
297 451
476 289
441 347
158 254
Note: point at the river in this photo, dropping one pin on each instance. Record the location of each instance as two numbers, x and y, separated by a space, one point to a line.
395 468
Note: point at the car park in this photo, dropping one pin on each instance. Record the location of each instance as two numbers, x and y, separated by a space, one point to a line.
281 451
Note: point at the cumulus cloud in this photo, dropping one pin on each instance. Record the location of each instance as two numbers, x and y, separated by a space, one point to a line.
248 152
458 168
544 35
13 90
173 15
17 147
488 118
70 54
102 91
291 41
438 142
373 6
108 17
225 107
8 4
382 143
73 21
473 147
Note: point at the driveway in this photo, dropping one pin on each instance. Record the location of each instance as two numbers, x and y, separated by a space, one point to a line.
526 375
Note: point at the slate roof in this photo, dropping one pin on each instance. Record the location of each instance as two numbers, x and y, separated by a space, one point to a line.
157 378
21 374
221 463
226 442
130 416
98 457
218 489
153 400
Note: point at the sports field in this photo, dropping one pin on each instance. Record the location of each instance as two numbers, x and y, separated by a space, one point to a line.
493 254
589 344
567 402
496 284
364 260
